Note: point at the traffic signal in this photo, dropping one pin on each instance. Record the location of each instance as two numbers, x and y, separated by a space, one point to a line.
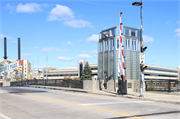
143 67
143 48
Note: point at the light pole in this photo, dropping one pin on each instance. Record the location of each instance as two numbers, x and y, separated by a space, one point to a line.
141 45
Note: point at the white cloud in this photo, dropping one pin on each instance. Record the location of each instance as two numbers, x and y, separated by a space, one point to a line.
68 43
95 56
66 50
14 41
84 56
93 38
35 47
60 13
51 49
178 32
94 51
1 36
10 7
30 7
62 58
26 55
168 22
78 23
65 14
147 39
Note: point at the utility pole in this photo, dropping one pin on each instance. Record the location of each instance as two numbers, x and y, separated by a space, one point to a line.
38 67
142 49
141 44
46 65
33 70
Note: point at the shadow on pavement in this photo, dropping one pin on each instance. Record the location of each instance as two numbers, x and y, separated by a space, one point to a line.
143 115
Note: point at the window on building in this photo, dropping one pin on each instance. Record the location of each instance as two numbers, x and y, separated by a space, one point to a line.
127 32
105 48
133 44
138 33
112 44
128 44
100 46
117 43
133 33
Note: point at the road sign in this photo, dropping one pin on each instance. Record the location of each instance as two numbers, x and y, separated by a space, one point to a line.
142 58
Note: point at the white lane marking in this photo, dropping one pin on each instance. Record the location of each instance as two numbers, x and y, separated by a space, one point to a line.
3 91
107 103
3 116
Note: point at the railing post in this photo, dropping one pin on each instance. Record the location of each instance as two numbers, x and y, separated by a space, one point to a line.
55 82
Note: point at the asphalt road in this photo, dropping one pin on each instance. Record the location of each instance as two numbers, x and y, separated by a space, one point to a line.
33 103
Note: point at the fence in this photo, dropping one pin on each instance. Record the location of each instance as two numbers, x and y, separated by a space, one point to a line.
50 82
164 85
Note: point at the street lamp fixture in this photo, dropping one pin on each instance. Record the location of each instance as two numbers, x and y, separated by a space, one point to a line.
137 4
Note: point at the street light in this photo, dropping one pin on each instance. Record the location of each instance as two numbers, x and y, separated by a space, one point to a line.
137 3
141 45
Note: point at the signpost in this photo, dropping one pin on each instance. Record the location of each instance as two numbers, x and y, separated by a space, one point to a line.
142 58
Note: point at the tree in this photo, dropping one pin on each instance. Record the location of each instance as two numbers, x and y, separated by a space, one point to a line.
17 77
86 73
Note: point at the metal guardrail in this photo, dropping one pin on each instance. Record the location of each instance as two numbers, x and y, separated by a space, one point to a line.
50 82
164 85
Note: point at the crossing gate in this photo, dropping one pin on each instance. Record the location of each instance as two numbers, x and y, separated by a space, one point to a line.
122 83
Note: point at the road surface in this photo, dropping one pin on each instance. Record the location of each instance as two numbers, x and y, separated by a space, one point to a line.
35 103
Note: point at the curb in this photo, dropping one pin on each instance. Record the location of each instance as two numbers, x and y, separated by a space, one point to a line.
113 95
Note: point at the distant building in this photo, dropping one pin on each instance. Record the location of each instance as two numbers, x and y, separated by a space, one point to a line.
154 72
72 72
22 68
35 74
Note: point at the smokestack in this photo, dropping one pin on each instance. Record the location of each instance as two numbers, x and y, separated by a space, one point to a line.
5 50
19 49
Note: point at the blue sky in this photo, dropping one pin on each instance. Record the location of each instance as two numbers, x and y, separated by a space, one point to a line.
68 30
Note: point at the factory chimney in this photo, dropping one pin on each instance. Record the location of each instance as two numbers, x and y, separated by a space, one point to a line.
5 49
19 49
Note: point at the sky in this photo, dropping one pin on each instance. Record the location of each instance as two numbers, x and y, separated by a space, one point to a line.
68 30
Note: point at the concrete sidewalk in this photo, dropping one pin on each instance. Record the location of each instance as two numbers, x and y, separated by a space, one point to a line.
173 98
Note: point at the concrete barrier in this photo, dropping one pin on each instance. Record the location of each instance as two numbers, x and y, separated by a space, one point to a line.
91 84
6 84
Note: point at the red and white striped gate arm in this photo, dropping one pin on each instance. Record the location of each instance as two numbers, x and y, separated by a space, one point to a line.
121 62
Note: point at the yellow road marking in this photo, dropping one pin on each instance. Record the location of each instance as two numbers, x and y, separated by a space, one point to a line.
115 112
